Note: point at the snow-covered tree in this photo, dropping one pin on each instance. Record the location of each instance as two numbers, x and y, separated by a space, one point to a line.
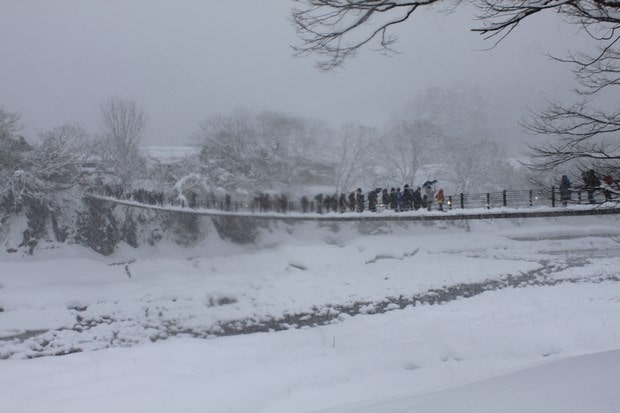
230 150
13 152
479 166
124 124
441 132
460 111
355 162
243 150
59 157
12 146
406 147
52 165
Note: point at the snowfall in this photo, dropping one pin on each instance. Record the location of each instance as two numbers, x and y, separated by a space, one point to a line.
479 316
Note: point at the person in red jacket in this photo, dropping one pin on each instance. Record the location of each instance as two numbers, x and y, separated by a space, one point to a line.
440 199
608 183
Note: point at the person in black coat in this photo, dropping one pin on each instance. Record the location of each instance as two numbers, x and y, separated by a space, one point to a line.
408 198
372 201
385 198
393 199
359 199
417 198
565 190
318 201
342 202
327 203
591 182
352 201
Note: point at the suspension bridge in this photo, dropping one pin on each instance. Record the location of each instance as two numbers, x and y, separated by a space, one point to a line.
500 205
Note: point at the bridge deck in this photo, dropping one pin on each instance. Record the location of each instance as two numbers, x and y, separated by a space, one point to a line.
608 208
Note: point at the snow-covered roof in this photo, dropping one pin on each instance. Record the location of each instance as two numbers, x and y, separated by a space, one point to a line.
169 153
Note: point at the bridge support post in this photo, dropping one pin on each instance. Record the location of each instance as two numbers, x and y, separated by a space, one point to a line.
488 200
530 200
553 196
462 201
504 198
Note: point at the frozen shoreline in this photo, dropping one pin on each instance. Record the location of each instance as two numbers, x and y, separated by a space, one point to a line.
539 292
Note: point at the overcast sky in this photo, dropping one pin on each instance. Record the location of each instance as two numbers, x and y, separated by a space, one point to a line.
184 60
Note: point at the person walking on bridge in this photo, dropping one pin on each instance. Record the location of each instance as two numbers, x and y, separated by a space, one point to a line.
429 193
372 201
565 190
440 199
352 201
417 198
608 180
591 182
385 198
360 200
393 201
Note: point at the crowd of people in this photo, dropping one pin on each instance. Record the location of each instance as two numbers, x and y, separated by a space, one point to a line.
138 195
379 199
396 199
591 183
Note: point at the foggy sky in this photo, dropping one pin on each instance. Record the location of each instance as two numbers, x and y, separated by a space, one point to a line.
185 60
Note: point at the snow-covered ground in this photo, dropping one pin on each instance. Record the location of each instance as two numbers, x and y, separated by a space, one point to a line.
356 328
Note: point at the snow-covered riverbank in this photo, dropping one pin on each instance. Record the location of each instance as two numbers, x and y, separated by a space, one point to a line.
141 310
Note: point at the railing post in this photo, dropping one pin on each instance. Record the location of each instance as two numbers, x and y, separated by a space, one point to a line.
462 201
530 200
553 196
504 198
488 200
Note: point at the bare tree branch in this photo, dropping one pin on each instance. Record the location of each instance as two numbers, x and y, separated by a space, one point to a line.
583 136
337 29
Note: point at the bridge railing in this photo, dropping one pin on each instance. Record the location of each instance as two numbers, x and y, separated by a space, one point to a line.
528 198
512 199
